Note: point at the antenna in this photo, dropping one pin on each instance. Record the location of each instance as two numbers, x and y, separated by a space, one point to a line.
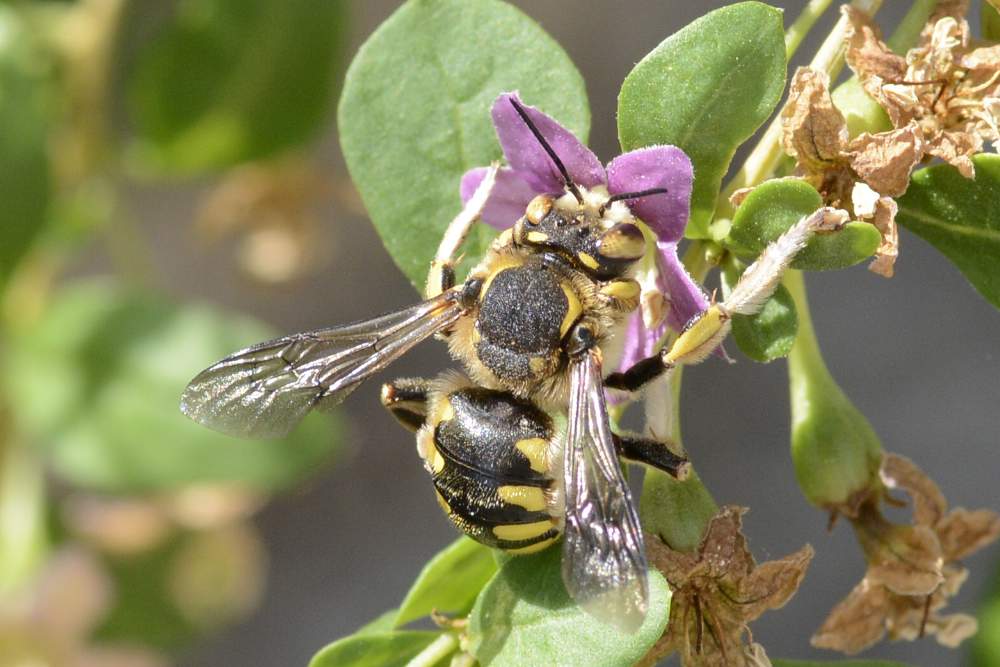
633 195
570 185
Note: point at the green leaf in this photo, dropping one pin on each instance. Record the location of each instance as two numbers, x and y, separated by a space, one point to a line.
384 622
706 89
233 80
27 105
958 216
837 663
96 383
776 205
990 21
385 649
525 617
414 115
769 334
449 582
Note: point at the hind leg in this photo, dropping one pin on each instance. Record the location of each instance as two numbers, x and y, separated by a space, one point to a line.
406 399
653 453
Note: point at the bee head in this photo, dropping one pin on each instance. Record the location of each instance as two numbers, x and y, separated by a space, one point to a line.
597 239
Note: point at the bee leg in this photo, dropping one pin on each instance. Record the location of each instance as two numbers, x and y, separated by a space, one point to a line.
638 375
655 453
700 337
406 399
440 278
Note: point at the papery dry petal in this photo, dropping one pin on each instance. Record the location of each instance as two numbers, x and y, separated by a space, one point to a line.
675 566
956 148
909 561
737 197
755 656
929 504
884 160
857 622
985 57
868 56
724 548
888 249
953 629
773 583
991 116
813 130
964 531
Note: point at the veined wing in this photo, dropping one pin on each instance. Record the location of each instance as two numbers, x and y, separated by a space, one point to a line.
604 561
265 390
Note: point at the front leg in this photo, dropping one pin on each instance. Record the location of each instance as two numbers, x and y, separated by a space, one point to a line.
700 337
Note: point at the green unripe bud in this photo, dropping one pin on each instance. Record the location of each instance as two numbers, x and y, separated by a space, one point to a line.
862 113
835 451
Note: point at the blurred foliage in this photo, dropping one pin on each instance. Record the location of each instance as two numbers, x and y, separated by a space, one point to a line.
27 106
227 81
95 385
102 478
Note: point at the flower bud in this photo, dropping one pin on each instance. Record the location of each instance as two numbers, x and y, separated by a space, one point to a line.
862 113
834 448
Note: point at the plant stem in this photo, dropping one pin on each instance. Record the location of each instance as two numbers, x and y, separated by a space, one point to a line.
803 24
23 539
906 33
766 155
440 648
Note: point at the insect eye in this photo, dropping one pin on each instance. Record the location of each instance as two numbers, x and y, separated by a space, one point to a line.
623 241
538 208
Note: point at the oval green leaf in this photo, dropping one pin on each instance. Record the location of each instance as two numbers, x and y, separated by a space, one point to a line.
958 216
233 80
776 205
769 334
384 649
27 104
524 616
449 582
414 116
97 381
707 88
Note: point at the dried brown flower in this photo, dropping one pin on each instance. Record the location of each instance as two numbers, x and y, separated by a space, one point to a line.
942 86
912 569
860 175
718 590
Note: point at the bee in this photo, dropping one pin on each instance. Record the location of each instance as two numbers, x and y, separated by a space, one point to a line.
530 325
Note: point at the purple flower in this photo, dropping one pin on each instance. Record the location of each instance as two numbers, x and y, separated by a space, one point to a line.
531 172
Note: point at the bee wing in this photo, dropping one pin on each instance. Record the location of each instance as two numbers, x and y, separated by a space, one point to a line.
265 390
604 560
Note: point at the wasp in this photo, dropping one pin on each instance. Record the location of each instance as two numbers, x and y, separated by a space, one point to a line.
530 324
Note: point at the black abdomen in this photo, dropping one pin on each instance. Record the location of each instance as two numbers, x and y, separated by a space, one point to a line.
489 463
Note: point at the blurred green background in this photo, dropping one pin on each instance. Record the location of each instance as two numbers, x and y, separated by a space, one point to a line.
171 189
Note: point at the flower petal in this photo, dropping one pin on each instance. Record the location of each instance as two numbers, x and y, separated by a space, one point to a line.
686 297
527 157
507 201
640 341
656 167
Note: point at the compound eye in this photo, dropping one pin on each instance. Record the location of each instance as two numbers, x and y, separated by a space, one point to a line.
623 241
538 208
